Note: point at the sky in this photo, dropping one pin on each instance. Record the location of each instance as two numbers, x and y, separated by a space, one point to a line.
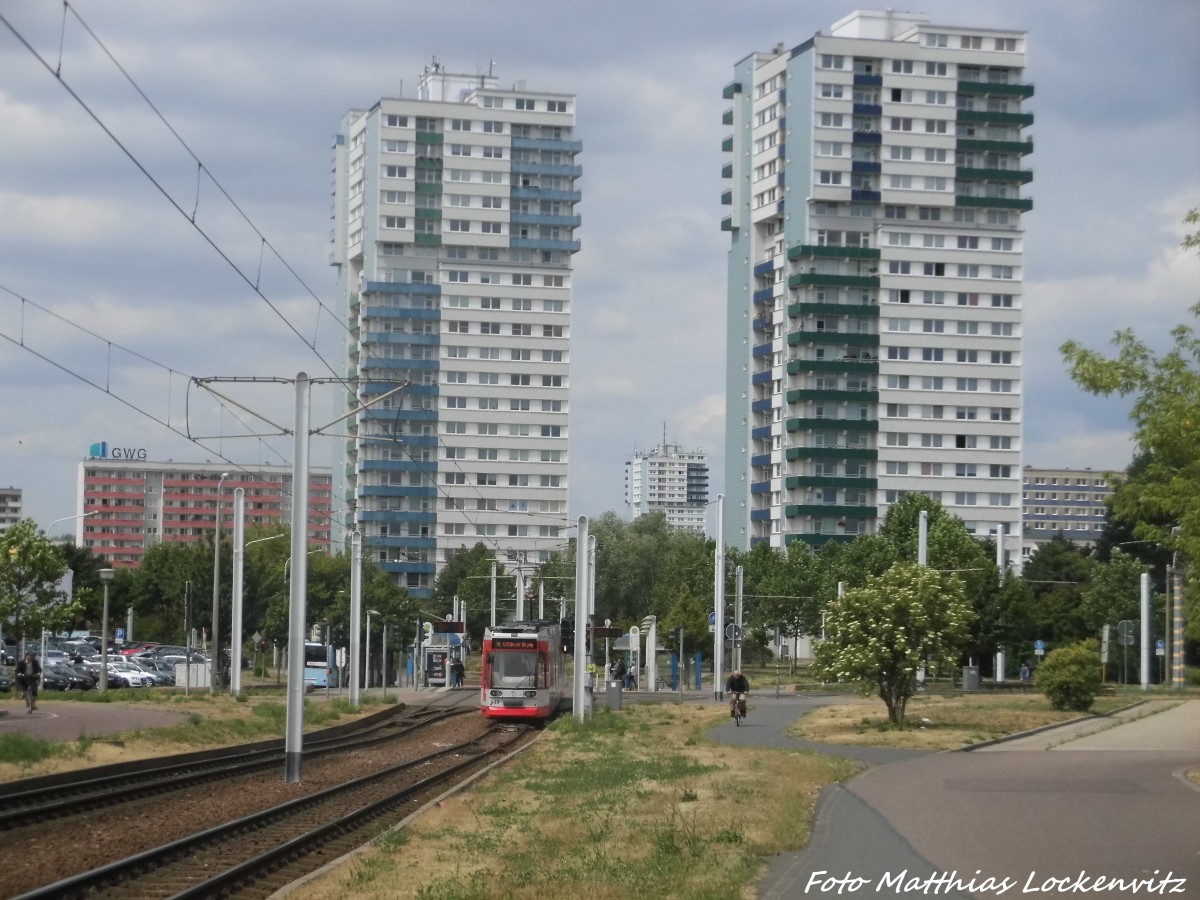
117 260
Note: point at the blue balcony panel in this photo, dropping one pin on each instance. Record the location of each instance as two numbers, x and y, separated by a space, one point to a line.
762 350
540 169
760 377
862 166
540 244
868 196
868 80
867 137
764 267
532 193
868 109
524 143
763 295
761 487
763 459
760 515
761 433
546 219
761 405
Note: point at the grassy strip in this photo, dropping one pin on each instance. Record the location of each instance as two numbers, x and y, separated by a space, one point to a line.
935 722
631 803
25 750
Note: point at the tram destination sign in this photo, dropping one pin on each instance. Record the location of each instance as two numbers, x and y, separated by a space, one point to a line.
514 644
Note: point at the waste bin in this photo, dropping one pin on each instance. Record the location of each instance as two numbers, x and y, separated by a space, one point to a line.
970 678
612 695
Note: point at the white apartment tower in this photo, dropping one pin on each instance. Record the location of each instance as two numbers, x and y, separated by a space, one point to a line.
453 229
670 480
875 279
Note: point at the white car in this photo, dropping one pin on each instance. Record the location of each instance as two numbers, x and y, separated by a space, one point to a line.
131 675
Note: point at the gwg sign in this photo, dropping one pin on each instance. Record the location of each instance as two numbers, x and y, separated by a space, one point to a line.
103 451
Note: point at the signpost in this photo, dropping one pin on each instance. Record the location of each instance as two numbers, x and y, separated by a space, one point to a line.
1126 630
1039 648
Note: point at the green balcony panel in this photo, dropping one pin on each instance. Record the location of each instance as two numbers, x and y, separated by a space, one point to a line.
734 87
983 116
428 187
727 224
802 251
1024 204
727 144
855 366
794 453
820 278
822 509
857 310
801 394
799 481
968 145
427 213
818 540
428 162
727 170
427 240
430 137
1024 176
832 425
726 198
839 338
727 117
987 87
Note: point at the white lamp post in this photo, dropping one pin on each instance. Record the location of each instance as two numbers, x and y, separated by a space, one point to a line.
214 656
106 575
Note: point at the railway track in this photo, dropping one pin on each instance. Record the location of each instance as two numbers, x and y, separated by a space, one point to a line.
72 794
255 855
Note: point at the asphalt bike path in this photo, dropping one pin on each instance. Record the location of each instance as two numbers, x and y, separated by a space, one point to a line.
1100 806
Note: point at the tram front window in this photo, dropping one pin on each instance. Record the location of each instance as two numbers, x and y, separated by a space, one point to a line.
514 670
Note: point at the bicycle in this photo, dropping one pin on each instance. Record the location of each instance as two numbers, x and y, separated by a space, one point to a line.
737 708
30 695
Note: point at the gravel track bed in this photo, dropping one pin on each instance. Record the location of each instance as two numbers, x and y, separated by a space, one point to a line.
45 852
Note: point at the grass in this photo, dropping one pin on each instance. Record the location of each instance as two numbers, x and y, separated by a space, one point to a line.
954 721
631 803
206 721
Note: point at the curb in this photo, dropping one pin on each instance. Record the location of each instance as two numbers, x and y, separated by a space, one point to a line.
1040 729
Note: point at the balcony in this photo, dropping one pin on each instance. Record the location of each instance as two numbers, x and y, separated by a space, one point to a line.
764 295
984 116
796 453
734 87
867 137
727 144
553 144
1024 176
428 187
847 365
727 117
868 109
839 338
1023 204
545 244
760 405
858 310
519 218
982 146
727 223
764 268
760 378
987 87
427 214
726 198
532 193
801 251
824 424
820 278
427 240
817 540
430 137
830 509
727 170
762 433
866 196
547 169
833 394
868 80
862 165
834 481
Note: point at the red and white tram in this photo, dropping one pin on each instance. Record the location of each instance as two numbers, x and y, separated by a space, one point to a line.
523 674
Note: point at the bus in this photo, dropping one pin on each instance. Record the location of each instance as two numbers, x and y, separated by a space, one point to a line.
320 666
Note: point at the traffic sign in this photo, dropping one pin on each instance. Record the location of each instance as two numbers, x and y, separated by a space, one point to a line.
1160 648
732 632
1126 632
712 618
1039 645
120 634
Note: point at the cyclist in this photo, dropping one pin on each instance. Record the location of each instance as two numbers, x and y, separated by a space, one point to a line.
738 687
28 672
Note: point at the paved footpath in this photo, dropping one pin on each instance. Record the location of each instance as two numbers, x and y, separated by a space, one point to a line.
1088 800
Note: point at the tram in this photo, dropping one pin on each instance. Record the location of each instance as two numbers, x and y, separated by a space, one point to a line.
523 674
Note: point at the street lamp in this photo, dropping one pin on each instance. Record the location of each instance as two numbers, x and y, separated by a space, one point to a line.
94 512
214 657
370 612
106 575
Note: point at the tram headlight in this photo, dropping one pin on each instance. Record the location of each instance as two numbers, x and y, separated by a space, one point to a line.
495 693
531 693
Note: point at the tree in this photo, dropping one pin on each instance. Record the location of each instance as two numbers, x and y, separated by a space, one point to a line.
1163 499
1057 574
878 635
31 569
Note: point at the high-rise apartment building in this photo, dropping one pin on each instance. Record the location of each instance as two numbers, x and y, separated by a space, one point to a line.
670 480
126 506
875 278
454 230
10 507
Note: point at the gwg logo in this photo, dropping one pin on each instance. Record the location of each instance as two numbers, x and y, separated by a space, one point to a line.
102 451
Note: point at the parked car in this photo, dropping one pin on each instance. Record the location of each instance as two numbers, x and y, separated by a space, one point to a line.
163 675
114 679
91 678
131 675
6 684
65 678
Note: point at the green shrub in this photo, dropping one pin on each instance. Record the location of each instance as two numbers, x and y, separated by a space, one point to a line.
1070 676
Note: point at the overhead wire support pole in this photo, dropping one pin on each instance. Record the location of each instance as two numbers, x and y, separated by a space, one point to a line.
719 604
581 582
293 744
